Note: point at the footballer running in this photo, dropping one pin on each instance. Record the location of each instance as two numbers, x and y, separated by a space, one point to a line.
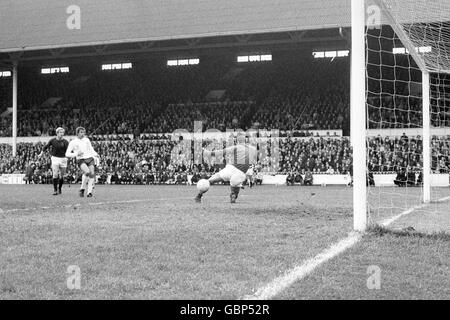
81 149
58 147
239 159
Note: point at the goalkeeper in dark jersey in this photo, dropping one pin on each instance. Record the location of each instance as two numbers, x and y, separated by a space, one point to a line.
239 159
58 147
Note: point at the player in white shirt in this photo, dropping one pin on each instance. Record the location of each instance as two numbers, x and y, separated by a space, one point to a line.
81 149
250 175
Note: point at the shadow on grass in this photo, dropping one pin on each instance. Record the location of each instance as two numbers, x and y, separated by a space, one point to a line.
380 231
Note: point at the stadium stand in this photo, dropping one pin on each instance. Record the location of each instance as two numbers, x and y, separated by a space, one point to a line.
130 115
153 161
286 95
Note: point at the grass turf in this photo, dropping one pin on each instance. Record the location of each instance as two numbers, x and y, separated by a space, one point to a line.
412 265
154 242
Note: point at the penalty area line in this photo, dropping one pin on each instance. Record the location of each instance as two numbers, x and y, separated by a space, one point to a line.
299 272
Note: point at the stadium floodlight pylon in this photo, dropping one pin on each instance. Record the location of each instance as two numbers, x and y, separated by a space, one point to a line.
422 27
14 107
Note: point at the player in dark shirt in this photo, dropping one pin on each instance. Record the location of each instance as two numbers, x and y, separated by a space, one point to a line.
239 159
58 147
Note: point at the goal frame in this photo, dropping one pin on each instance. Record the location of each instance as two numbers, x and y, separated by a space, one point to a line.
358 109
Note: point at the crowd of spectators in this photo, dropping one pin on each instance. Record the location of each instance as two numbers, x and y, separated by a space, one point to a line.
317 97
405 111
137 161
285 95
129 114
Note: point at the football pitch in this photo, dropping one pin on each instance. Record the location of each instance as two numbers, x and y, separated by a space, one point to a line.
155 242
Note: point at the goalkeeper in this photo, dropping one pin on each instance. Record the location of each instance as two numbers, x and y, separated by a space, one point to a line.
239 159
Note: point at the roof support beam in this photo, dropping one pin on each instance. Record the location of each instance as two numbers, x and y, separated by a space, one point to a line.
182 45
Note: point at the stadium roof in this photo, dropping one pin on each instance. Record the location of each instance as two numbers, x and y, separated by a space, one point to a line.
37 25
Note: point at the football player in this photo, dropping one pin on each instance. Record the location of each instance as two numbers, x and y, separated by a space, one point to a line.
81 149
58 147
239 158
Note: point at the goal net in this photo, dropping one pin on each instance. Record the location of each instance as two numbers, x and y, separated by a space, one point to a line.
407 86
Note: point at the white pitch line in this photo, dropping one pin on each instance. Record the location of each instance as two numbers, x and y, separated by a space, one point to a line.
299 272
135 201
389 221
100 203
90 204
443 199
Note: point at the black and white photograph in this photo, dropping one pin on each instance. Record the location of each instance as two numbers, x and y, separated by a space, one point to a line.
226 158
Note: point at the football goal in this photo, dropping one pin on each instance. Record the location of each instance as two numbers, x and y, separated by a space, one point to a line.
400 111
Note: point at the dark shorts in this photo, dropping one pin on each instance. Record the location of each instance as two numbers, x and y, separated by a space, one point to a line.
89 162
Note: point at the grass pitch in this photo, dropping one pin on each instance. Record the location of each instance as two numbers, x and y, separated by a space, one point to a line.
155 242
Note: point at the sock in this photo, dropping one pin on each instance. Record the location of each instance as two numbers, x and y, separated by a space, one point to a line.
61 181
200 194
84 181
235 190
90 184
55 184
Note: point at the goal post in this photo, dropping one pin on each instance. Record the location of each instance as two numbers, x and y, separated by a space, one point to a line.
358 114
426 139
426 122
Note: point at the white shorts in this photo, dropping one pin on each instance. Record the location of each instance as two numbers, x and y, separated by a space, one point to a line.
229 171
59 162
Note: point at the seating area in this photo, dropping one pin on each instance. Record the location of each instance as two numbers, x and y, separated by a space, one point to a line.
287 95
160 161
129 116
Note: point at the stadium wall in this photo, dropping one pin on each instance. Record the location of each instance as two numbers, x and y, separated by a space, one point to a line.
382 180
186 135
409 132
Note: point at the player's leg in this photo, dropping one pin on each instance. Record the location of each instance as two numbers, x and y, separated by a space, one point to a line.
91 180
62 173
236 181
84 178
250 181
55 172
249 177
215 178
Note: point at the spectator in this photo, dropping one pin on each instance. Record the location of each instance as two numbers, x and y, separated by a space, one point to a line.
308 180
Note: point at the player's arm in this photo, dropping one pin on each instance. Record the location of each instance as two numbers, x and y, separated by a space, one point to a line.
66 144
92 148
96 155
45 148
70 152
